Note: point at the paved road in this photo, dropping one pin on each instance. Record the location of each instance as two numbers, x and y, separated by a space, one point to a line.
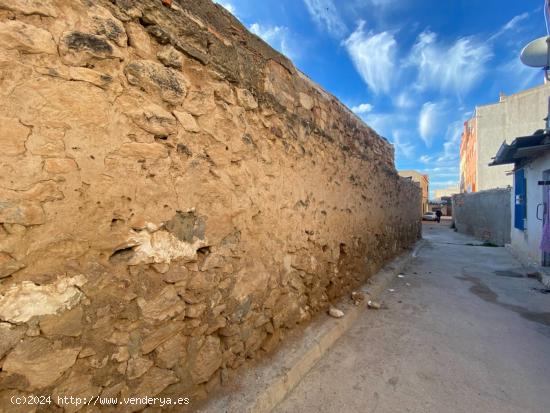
468 334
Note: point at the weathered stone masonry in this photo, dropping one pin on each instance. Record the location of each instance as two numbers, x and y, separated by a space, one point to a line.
174 196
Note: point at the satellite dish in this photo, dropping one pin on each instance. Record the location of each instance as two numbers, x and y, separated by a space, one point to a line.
536 53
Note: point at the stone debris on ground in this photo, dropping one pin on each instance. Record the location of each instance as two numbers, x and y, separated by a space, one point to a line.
374 305
336 313
357 297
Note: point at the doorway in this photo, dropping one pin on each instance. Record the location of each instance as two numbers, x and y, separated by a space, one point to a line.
546 214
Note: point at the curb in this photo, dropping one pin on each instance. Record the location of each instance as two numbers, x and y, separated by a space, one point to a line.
544 276
262 388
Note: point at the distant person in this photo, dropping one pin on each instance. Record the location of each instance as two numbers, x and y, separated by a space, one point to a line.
438 215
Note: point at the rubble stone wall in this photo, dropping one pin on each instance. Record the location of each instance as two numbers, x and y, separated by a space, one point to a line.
174 196
486 215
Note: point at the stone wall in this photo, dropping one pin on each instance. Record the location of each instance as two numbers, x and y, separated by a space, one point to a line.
485 215
174 196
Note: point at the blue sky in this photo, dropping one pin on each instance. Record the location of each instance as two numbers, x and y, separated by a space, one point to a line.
412 70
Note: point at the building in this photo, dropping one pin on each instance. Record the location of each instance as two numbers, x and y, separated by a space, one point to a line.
446 192
530 199
468 157
423 181
515 115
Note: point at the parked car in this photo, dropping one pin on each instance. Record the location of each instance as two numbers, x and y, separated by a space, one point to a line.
429 216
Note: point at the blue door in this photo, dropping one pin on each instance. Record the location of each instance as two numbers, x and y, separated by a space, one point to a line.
520 199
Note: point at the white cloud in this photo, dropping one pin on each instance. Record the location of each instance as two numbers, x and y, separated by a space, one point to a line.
510 26
228 6
444 167
394 127
382 3
425 159
443 184
518 75
374 57
385 123
443 173
326 15
455 67
402 146
362 108
430 120
404 101
277 37
376 9
451 147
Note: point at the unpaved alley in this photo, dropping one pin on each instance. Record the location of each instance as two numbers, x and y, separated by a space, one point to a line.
463 331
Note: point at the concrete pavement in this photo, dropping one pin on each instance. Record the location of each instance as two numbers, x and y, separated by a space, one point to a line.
464 331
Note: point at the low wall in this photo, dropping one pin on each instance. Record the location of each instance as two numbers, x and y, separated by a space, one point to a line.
486 215
174 196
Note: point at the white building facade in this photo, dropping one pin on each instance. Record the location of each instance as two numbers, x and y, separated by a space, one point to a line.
529 157
520 114
527 228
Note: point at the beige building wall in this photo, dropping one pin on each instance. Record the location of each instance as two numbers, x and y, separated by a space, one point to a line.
423 181
516 115
449 191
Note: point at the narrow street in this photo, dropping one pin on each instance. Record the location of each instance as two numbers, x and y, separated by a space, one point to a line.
463 331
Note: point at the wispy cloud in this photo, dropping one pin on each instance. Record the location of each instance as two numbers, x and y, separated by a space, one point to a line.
430 120
383 3
455 67
510 26
439 184
425 159
326 15
386 123
376 9
374 57
451 145
394 127
278 37
404 100
362 108
402 145
443 167
517 74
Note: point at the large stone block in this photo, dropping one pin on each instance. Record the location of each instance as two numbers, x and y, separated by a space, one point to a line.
44 8
13 135
156 79
207 360
40 363
26 38
80 48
